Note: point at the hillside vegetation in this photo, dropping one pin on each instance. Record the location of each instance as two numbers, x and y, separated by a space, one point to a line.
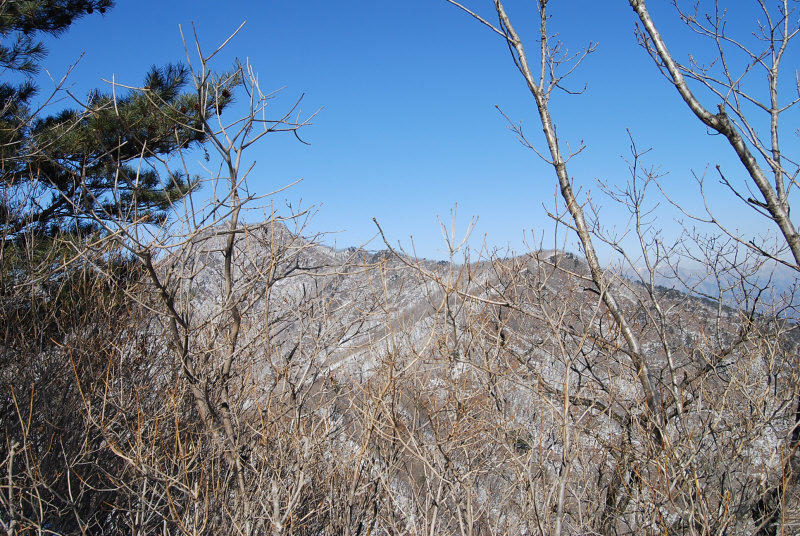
171 365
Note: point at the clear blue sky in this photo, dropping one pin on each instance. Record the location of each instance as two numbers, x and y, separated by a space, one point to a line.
408 126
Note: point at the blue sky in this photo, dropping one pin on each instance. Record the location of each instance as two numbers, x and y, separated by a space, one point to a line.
408 127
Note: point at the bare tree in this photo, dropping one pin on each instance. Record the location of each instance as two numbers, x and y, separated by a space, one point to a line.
743 110
740 105
677 377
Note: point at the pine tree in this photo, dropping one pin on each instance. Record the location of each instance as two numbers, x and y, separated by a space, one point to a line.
79 169
84 164
22 23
